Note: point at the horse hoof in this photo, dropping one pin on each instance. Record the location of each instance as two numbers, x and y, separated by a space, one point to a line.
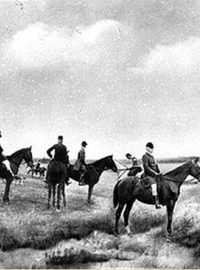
6 201
57 210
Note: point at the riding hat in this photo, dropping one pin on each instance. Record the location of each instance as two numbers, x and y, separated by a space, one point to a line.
84 143
150 145
128 155
60 137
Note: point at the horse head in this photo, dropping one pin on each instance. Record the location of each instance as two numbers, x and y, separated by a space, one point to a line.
195 169
28 157
110 164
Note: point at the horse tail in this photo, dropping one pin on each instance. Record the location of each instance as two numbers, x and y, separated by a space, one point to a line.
116 195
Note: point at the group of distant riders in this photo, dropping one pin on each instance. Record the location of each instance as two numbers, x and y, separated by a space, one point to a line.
151 169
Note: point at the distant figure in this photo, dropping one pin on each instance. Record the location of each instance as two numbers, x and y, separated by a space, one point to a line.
151 170
3 159
37 167
80 164
135 168
60 154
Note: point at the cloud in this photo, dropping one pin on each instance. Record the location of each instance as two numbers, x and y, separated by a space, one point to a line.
179 59
40 45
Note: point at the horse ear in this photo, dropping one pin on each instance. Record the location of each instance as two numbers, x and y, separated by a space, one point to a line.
196 160
30 147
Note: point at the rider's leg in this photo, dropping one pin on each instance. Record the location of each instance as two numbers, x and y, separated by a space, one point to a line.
154 193
7 164
82 178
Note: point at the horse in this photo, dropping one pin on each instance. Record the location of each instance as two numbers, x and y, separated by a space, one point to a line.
15 160
93 173
41 171
56 176
129 189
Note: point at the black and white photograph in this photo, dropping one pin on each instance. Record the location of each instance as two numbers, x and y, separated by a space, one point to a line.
99 134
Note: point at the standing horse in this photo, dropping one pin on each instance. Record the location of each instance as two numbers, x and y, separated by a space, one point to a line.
94 171
15 160
56 175
130 189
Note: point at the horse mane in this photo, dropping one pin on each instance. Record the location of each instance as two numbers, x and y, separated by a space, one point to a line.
16 153
177 170
99 160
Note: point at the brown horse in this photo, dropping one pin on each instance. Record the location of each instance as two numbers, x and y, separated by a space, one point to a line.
15 160
129 189
94 171
56 175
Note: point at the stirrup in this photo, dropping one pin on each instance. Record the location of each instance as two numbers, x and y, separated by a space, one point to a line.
68 183
158 206
81 184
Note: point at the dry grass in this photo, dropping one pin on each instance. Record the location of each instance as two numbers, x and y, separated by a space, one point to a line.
27 223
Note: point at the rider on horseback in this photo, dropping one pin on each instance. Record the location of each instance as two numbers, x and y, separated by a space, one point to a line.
4 160
151 170
60 154
80 164
135 168
37 167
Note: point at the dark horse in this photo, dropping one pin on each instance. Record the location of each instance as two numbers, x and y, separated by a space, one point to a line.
56 175
94 171
41 171
130 189
15 160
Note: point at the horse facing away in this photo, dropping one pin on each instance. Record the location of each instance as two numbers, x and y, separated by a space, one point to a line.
15 160
56 175
129 189
94 171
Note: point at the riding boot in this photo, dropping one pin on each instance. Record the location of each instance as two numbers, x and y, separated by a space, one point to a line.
82 180
157 204
67 182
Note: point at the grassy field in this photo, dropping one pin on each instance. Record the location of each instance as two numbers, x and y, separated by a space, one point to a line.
28 230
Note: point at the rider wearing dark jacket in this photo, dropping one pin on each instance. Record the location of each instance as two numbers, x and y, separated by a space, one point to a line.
151 170
60 153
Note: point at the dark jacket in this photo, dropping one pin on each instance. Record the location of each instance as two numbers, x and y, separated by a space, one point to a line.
150 165
80 160
60 152
2 157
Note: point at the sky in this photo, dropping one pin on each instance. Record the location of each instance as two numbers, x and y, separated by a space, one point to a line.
116 73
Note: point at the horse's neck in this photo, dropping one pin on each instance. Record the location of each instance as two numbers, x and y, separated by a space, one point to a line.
178 176
15 162
99 166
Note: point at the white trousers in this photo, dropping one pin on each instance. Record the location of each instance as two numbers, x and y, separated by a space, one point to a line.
154 189
7 163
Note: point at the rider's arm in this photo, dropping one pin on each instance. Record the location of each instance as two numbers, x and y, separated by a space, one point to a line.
49 151
146 166
82 157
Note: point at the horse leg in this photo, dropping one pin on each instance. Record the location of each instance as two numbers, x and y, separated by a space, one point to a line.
58 196
170 207
90 189
54 194
7 189
63 194
126 215
49 196
118 214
